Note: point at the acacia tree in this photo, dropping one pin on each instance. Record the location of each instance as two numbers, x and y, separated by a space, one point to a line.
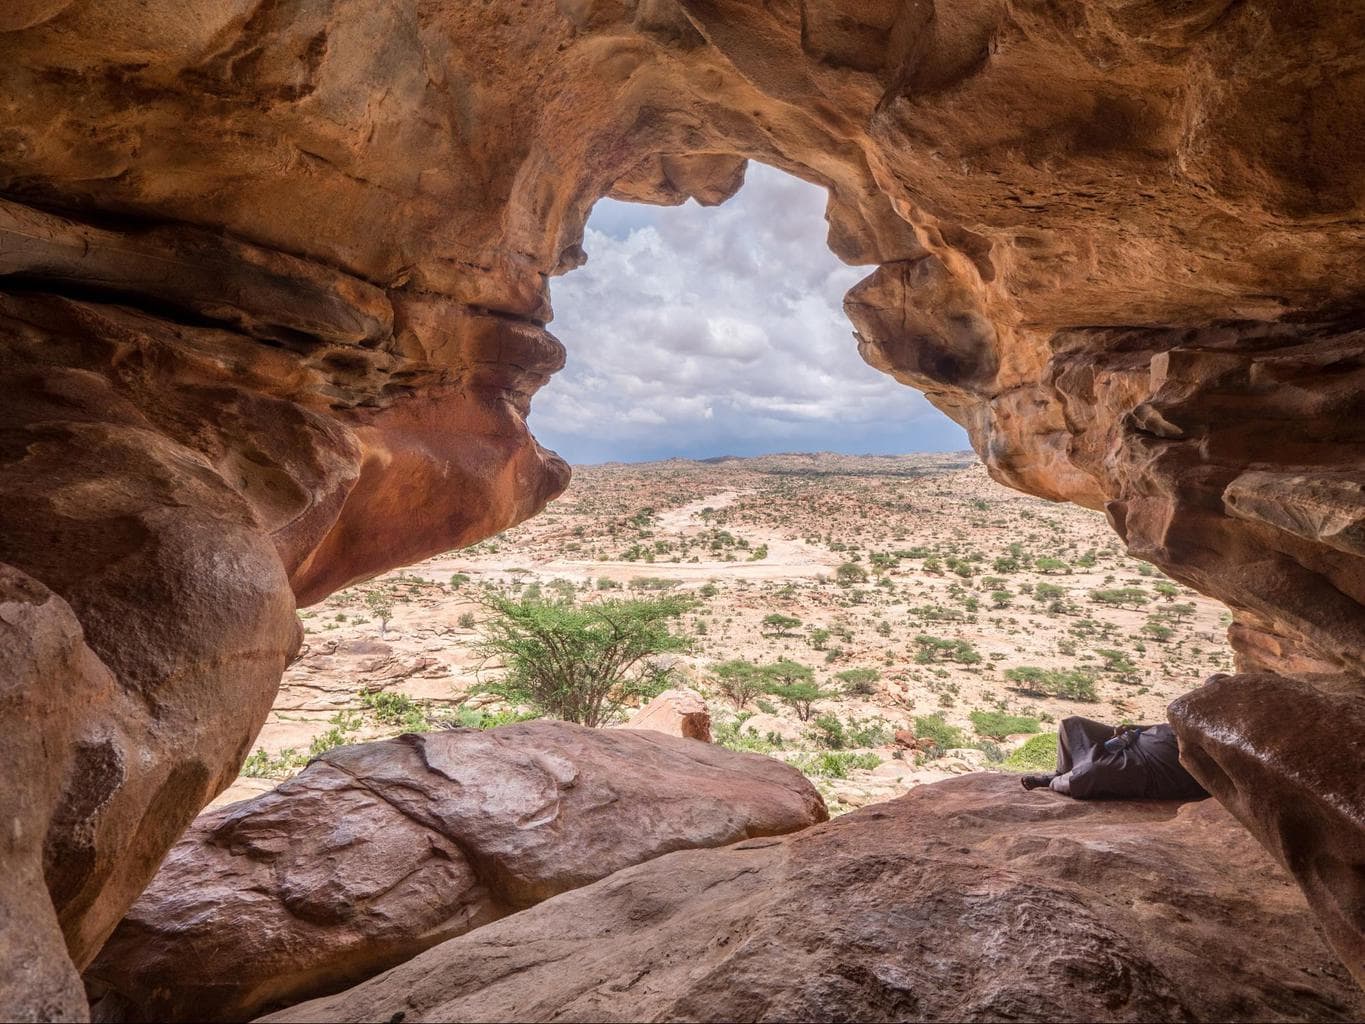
740 680
580 663
794 684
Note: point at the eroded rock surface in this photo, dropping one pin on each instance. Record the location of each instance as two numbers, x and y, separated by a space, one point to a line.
274 286
379 851
679 712
963 900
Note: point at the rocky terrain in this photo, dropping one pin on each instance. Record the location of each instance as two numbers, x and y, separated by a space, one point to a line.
380 851
275 281
962 901
950 581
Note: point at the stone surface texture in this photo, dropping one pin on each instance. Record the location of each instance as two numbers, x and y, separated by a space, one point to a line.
379 851
274 281
679 712
963 900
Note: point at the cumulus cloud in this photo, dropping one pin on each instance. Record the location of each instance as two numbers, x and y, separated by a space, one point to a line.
697 332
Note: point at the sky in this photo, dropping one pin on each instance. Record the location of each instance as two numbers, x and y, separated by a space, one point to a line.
697 332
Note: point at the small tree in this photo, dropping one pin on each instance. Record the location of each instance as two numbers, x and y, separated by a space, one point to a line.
1000 598
1158 632
1121 596
1167 590
380 604
850 573
1051 565
778 624
740 680
794 684
818 638
581 663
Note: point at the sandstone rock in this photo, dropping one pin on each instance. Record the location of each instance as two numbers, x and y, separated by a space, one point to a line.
680 713
964 900
1243 738
379 851
275 281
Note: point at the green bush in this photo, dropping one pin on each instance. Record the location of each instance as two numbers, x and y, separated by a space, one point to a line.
832 764
859 681
1039 754
997 724
1070 683
943 735
828 731
396 709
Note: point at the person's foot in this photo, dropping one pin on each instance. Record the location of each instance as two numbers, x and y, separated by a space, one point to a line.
1036 781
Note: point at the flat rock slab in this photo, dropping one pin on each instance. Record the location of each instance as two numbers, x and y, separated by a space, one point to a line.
378 851
963 900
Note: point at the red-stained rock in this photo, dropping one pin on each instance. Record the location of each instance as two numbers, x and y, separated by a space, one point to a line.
963 900
379 851
680 713
1244 738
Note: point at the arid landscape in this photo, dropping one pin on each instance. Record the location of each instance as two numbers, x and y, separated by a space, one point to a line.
928 604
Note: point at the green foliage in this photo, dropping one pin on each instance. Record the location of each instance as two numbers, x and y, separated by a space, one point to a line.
466 620
932 649
580 663
860 681
740 680
1121 596
458 580
818 638
997 724
708 590
1000 598
943 735
478 718
1039 754
730 733
380 604
395 709
833 764
654 583
850 573
1073 684
1158 632
1051 565
828 731
795 686
778 624
261 765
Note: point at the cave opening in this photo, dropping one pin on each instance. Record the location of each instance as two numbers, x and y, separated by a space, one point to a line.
705 331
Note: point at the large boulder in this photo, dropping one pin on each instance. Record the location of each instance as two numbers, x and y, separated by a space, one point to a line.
963 900
379 851
679 712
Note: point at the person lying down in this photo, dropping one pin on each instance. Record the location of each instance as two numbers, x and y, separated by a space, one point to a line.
1125 762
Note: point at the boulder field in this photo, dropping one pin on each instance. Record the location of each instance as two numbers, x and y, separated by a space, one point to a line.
963 900
275 280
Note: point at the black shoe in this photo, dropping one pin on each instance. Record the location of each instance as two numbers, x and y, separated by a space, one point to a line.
1036 781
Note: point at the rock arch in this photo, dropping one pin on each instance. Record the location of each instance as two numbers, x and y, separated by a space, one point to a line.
274 293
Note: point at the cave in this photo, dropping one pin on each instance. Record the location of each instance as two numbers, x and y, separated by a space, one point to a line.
274 294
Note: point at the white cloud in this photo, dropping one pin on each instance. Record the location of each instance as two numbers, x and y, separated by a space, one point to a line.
695 331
